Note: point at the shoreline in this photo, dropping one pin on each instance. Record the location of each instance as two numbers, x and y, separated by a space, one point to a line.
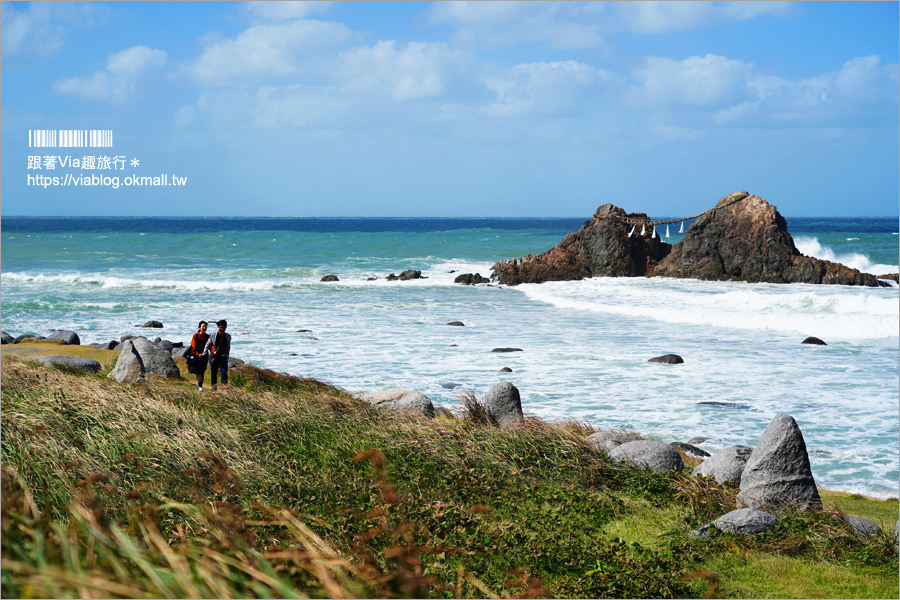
39 349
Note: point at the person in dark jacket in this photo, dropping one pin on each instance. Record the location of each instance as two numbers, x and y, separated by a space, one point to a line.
198 350
218 348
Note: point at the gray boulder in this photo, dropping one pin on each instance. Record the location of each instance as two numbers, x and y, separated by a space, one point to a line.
69 338
725 465
129 368
85 364
234 363
506 370
503 403
471 279
814 340
166 345
411 274
457 323
5 338
746 521
896 532
330 278
506 350
668 359
864 528
648 454
180 352
155 359
402 400
609 440
110 345
777 474
27 336
154 324
690 449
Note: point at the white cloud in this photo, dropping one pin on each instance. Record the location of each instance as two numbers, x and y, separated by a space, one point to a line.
33 32
709 80
584 24
663 17
264 52
403 72
557 24
285 10
547 88
118 80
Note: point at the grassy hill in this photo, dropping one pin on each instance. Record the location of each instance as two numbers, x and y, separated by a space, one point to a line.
288 487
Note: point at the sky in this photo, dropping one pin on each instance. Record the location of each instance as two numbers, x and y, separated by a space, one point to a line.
507 109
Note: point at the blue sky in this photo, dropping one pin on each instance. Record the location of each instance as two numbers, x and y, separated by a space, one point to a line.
456 108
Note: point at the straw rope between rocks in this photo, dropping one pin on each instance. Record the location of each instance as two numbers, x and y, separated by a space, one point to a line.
737 198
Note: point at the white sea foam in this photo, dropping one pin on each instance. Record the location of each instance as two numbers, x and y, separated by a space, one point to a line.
797 308
812 247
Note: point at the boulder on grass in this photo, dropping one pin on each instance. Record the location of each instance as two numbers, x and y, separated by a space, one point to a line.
85 364
110 345
777 474
864 528
27 336
609 440
648 454
746 521
725 465
402 400
69 338
155 359
503 403
690 449
129 368
5 338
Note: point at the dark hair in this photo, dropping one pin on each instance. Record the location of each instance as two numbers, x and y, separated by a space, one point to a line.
201 323
222 323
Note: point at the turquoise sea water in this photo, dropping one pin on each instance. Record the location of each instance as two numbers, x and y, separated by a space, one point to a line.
585 344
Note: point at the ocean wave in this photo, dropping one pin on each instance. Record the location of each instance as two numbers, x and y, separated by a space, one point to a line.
812 247
837 314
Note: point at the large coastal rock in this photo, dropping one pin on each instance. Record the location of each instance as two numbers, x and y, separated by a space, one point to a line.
66 337
742 238
5 338
129 367
777 474
402 400
648 454
725 465
745 521
601 247
155 359
745 238
503 403
139 356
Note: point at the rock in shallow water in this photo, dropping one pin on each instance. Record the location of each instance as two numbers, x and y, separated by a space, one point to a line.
506 350
668 359
814 340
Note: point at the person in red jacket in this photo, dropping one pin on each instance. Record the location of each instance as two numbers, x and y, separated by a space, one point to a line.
198 350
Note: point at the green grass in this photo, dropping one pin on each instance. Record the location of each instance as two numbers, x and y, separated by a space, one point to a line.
285 486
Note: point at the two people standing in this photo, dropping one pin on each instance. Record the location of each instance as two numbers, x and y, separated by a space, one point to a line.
213 349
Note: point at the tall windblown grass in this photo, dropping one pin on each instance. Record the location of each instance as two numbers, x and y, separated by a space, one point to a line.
288 487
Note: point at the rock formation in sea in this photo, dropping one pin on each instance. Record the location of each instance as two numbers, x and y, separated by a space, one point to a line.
742 238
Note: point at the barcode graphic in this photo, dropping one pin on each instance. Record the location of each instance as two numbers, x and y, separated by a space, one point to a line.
70 138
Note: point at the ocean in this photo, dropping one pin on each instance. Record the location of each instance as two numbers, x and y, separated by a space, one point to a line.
585 344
